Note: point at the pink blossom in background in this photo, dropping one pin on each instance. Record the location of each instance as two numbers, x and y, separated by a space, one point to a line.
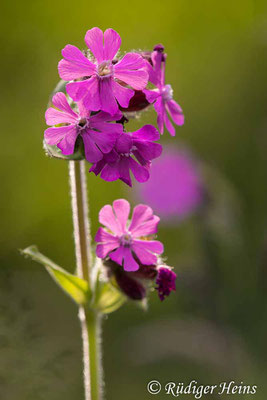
175 188
122 240
102 82
96 131
162 96
120 161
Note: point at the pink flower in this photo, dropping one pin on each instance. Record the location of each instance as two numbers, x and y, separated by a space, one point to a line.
119 162
98 135
103 81
122 240
163 95
182 189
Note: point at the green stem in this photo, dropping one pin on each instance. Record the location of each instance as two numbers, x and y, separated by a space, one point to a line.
90 320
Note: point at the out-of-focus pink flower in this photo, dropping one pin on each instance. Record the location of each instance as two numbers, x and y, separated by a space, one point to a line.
165 282
162 96
175 188
102 83
98 134
123 240
119 162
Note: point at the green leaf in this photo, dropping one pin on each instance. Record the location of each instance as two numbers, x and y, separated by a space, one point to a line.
108 298
77 288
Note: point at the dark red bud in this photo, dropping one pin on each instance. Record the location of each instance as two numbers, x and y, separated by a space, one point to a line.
130 286
137 103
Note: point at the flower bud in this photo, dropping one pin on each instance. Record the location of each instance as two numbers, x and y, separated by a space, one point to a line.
133 284
165 281
137 103
133 288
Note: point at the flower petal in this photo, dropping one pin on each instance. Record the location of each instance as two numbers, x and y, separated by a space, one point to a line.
112 42
129 263
159 107
97 167
67 144
122 94
107 244
110 172
175 112
105 117
123 256
102 236
147 132
55 134
131 70
151 95
137 79
169 125
107 98
92 98
75 64
153 75
106 127
94 40
141 214
140 172
105 141
54 117
147 228
124 170
108 219
122 209
143 254
92 152
60 101
148 150
154 246
131 61
102 250
124 143
77 90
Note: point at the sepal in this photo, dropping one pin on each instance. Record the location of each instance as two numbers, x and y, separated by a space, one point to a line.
108 298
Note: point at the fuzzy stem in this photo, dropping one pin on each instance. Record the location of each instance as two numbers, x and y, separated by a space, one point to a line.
90 320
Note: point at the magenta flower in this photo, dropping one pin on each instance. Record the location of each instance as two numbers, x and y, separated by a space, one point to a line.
166 282
163 94
181 185
122 240
119 162
98 134
102 82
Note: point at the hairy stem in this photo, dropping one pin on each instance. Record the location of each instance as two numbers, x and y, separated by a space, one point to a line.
90 320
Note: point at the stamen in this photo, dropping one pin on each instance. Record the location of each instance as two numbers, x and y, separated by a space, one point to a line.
105 68
167 92
126 239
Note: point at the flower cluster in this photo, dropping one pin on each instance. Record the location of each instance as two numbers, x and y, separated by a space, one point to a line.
101 90
130 244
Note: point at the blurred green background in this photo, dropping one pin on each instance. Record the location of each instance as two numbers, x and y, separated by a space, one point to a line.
214 327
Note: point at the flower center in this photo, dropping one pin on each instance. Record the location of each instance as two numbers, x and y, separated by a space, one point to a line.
167 92
105 69
83 124
126 239
130 153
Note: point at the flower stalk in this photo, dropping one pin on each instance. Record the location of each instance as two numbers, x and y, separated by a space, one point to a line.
90 319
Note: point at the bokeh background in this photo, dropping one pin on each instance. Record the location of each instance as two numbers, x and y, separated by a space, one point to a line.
214 327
